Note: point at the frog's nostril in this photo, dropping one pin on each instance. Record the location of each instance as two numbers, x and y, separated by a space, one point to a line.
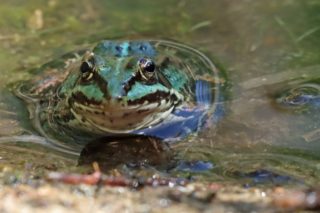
118 48
143 48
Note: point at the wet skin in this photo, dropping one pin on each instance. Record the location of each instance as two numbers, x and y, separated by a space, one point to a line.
152 88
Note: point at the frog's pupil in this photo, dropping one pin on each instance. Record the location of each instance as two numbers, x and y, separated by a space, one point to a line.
85 67
147 65
150 66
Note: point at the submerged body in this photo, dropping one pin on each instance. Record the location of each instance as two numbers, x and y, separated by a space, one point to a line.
151 88
306 95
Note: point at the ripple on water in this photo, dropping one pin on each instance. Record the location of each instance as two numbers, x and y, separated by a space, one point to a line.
302 96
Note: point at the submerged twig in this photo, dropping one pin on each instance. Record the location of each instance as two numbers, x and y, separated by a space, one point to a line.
285 28
38 140
275 78
312 136
2 111
98 178
307 34
200 25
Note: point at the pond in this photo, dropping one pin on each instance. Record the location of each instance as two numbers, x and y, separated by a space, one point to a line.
266 50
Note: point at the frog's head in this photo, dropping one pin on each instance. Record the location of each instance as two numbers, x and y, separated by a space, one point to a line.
120 88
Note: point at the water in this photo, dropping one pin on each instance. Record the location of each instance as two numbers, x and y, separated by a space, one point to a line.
265 47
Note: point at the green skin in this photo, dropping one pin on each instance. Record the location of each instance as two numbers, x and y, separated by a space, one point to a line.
113 89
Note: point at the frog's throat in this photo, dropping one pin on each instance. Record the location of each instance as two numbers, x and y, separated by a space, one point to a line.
121 115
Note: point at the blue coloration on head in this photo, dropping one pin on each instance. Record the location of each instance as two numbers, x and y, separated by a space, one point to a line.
116 62
124 49
142 48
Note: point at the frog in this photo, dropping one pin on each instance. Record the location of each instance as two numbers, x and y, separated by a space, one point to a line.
304 96
113 88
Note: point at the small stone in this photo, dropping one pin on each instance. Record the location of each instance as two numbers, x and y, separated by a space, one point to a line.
35 21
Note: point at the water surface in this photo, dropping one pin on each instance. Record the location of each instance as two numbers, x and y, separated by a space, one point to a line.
265 47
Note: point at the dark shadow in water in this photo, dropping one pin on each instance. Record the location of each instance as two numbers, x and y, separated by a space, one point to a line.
265 177
194 166
133 151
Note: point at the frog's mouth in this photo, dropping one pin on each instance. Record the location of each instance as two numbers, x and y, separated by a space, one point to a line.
119 115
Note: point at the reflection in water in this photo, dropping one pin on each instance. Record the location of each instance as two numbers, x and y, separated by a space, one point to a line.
263 176
138 152
134 152
194 166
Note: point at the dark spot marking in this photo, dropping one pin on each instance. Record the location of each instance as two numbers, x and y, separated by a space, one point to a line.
64 118
129 83
125 114
161 120
129 65
118 48
136 77
140 111
102 84
143 47
164 63
80 98
154 97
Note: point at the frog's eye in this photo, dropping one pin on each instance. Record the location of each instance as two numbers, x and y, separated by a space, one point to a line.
87 68
146 68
